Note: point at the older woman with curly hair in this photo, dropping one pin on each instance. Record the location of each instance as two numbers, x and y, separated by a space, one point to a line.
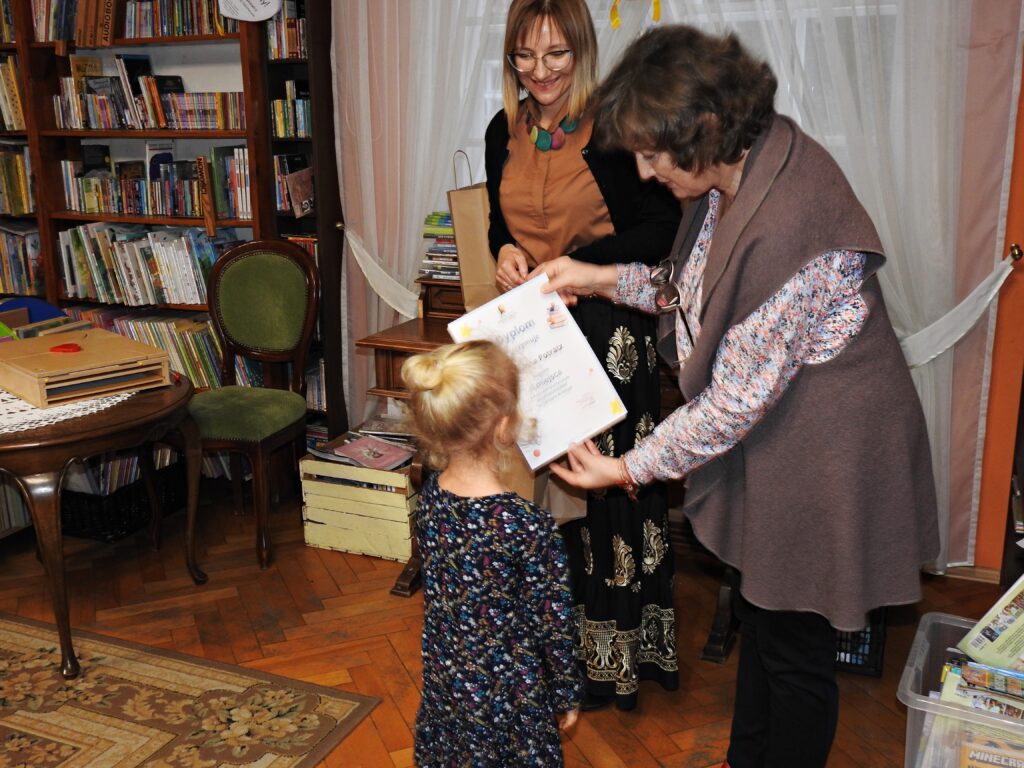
802 438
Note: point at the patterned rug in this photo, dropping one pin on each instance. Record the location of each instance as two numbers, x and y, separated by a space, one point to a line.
135 706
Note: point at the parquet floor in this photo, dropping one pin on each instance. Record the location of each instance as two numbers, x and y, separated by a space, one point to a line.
327 617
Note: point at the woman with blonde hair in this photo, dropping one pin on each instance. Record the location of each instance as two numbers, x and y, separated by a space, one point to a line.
553 192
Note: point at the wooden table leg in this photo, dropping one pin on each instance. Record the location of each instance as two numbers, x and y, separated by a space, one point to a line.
148 471
408 580
44 506
723 626
193 463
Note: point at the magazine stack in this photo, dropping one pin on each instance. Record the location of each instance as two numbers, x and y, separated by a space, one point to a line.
441 260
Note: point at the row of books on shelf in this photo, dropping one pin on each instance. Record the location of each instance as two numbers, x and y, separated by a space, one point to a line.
138 99
20 251
293 185
6 23
102 475
91 23
286 34
292 116
12 118
316 389
13 512
159 185
441 258
164 18
309 242
137 266
17 196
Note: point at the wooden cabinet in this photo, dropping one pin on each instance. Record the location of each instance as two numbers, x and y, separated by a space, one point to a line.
440 303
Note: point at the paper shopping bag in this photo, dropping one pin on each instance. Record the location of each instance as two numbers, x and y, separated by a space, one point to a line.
470 220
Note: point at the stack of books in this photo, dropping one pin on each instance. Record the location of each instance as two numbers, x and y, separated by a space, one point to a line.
441 260
307 242
292 116
133 265
11 116
293 185
137 98
20 270
165 18
286 32
6 23
158 185
17 195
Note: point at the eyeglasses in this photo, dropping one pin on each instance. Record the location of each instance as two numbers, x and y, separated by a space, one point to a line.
524 61
666 292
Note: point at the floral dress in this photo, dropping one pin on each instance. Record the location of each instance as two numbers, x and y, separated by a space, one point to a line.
497 636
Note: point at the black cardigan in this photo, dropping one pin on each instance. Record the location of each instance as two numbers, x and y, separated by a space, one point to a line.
645 214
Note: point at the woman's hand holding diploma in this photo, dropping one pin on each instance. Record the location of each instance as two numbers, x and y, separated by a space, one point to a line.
573 278
588 467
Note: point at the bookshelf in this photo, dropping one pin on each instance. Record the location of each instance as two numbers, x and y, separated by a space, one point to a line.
233 61
308 60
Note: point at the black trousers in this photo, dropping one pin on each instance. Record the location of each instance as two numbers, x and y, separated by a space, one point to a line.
787 701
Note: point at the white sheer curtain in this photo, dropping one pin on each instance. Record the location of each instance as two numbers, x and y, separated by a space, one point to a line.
893 89
409 78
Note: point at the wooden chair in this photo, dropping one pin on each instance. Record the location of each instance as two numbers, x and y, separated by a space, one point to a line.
263 299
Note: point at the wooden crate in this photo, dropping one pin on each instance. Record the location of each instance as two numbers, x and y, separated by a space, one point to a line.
355 509
104 363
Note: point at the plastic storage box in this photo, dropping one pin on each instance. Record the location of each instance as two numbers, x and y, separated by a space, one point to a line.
943 735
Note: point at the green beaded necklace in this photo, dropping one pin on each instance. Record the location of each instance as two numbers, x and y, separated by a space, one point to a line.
543 139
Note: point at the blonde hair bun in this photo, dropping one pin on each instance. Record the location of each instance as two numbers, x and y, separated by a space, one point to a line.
458 396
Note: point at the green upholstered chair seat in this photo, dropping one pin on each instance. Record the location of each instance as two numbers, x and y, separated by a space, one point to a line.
248 414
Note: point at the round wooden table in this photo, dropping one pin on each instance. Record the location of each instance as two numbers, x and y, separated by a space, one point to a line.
39 458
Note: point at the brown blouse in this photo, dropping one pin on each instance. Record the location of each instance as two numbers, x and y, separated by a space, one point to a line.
550 200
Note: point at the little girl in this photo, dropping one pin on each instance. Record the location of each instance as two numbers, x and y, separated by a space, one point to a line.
498 666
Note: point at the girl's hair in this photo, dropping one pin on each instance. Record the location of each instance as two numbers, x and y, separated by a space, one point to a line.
572 17
701 98
459 394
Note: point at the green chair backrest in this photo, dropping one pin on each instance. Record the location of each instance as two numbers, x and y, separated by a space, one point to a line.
262 301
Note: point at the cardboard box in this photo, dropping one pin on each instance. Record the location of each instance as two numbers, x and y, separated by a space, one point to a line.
357 509
67 367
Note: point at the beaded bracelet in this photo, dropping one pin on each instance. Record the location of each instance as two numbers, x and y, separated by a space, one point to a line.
626 481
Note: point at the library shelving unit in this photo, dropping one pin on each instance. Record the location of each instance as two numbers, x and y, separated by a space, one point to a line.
307 62
236 61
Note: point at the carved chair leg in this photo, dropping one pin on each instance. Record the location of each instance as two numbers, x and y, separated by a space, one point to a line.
237 479
261 473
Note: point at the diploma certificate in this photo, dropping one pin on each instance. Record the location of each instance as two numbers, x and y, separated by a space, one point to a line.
564 393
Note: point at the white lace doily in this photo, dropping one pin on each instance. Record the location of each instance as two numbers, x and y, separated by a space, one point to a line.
16 415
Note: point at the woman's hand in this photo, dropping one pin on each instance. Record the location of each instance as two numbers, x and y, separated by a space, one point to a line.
567 720
588 467
512 267
573 278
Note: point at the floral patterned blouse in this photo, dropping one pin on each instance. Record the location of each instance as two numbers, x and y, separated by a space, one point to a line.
498 659
806 322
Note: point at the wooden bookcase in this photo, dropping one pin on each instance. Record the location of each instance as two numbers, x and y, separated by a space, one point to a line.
326 222
42 64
